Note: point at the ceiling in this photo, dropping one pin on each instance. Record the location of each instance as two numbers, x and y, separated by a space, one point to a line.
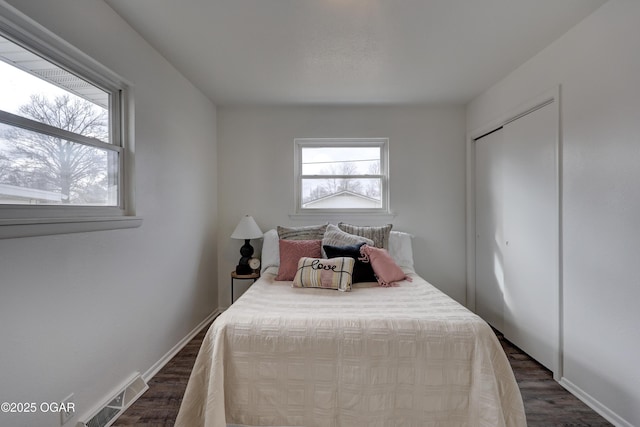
349 52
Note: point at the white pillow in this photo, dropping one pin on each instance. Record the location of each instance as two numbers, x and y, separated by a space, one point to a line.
270 250
400 248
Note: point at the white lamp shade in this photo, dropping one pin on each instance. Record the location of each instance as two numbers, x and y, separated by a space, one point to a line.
247 229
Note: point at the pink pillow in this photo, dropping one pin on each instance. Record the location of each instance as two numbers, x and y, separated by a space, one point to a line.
290 253
385 268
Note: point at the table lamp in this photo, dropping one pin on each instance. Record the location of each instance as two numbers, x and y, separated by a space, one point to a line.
246 230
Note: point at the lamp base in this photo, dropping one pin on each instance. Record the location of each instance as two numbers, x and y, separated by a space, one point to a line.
243 265
243 269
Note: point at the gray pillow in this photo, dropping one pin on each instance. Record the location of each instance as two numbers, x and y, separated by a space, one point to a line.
308 232
379 235
336 237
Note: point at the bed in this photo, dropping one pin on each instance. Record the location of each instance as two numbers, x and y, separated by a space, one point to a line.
376 356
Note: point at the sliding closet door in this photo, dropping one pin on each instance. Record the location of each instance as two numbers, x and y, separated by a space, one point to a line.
531 234
489 219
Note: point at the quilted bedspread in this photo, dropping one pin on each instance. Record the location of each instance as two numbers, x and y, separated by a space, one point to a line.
401 356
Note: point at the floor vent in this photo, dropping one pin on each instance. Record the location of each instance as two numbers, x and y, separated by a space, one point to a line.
110 411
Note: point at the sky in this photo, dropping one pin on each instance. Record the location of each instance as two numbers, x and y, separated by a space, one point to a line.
317 161
16 86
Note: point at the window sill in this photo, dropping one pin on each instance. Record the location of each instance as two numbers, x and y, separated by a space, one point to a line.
341 216
14 228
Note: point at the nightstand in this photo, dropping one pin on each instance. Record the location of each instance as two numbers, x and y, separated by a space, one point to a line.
253 276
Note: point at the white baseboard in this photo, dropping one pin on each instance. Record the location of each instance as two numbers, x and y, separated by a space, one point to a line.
595 404
179 346
156 366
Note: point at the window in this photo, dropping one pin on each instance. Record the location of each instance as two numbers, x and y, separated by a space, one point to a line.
62 136
58 139
342 175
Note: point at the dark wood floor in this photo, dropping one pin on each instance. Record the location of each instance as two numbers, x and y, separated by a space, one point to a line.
546 403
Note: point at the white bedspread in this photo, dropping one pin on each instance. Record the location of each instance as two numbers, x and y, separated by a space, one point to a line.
402 356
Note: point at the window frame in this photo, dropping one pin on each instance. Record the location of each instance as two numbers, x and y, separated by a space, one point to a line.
32 220
381 143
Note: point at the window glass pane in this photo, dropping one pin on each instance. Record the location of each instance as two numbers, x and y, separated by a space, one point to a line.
342 193
340 160
40 169
35 88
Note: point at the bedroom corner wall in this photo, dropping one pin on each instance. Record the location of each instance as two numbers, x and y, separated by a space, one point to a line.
255 160
597 64
80 313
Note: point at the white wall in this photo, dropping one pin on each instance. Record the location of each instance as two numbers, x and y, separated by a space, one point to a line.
255 161
81 312
597 64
